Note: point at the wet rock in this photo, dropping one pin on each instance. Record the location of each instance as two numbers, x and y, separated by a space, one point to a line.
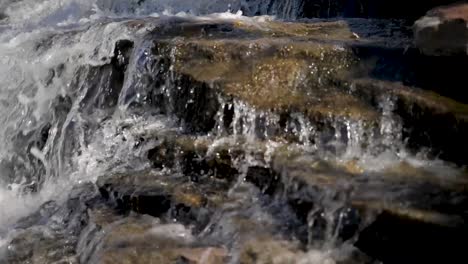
233 77
309 181
51 234
268 250
443 31
105 82
221 164
162 155
39 245
222 160
295 72
264 249
143 193
142 239
396 240
263 178
203 73
429 120
191 157
201 158
277 73
318 193
330 194
162 195
40 217
276 84
177 150
400 61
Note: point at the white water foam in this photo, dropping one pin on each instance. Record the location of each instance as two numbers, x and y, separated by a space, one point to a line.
41 35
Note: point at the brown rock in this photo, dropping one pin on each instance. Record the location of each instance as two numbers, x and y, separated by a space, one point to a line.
443 31
143 239
452 12
268 250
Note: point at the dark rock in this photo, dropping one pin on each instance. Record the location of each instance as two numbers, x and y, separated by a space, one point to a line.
41 217
36 246
194 165
142 193
192 158
270 250
327 9
399 240
162 196
443 31
369 8
328 194
163 155
105 82
263 178
221 163
429 120
441 74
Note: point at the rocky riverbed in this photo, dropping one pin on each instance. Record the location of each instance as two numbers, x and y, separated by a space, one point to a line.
231 139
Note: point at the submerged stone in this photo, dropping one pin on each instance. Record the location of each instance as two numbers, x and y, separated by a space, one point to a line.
144 239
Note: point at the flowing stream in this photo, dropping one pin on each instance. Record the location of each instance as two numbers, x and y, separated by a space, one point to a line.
82 95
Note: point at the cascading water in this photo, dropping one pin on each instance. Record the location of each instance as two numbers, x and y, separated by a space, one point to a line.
86 91
53 100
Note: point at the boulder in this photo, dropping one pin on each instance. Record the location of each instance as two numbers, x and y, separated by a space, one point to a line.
443 31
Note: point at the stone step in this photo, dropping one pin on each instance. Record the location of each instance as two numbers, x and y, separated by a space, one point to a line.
316 72
406 188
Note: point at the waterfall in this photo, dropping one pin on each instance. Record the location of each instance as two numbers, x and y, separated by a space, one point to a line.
215 125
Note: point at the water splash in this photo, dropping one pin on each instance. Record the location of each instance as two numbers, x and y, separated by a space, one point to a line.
48 85
43 13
